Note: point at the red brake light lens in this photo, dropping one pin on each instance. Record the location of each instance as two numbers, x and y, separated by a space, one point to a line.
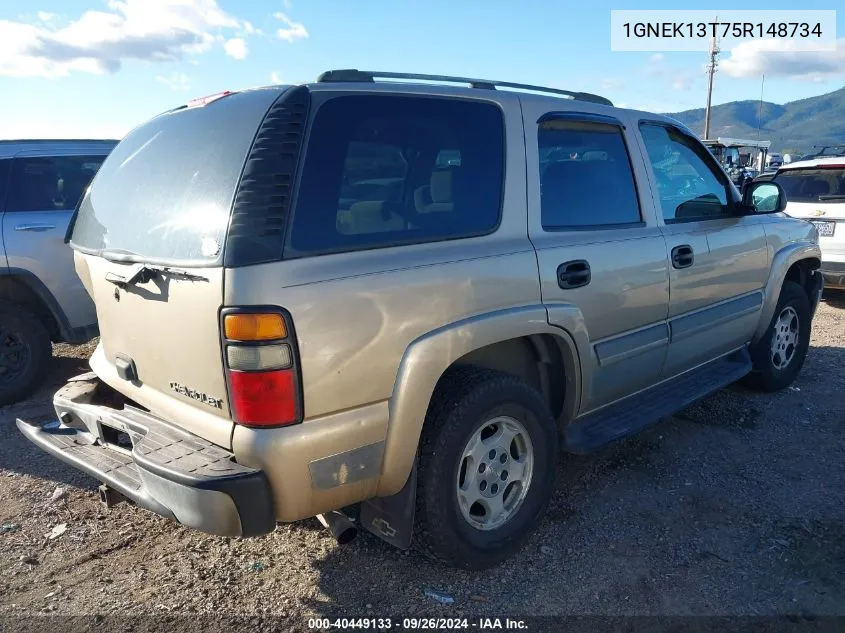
265 398
203 101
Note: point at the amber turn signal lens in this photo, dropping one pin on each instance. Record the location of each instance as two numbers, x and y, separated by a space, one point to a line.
254 327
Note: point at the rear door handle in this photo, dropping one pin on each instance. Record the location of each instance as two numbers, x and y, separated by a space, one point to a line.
34 227
574 274
682 256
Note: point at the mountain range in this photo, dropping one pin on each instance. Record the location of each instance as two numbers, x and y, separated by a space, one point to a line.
793 127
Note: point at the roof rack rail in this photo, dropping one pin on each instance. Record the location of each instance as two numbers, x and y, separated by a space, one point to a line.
823 153
369 76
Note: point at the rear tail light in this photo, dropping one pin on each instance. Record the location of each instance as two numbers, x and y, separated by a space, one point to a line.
261 367
254 327
259 358
263 398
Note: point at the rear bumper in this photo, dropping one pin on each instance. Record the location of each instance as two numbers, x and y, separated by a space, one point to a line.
834 274
167 470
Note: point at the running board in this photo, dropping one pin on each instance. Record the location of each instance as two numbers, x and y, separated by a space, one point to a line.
639 411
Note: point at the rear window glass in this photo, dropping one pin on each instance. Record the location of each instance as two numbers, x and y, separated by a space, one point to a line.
813 185
165 192
384 170
578 160
50 183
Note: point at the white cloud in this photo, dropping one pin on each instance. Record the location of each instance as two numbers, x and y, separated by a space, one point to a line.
275 78
100 41
178 82
236 47
46 16
657 58
292 31
784 58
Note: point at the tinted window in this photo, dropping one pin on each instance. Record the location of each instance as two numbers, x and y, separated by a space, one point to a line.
384 170
585 175
165 192
813 185
689 183
51 183
5 168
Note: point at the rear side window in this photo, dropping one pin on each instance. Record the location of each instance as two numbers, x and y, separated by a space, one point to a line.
382 170
813 185
586 177
50 183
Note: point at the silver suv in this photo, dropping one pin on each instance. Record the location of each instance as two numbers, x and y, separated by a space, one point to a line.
41 297
403 303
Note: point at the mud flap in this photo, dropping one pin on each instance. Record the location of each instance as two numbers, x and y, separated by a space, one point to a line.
392 518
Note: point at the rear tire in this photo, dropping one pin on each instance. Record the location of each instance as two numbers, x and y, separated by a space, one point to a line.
25 352
779 355
474 511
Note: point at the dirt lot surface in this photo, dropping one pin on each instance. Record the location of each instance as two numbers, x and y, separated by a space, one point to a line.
736 506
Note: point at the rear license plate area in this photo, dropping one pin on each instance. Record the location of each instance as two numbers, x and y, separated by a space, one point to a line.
825 228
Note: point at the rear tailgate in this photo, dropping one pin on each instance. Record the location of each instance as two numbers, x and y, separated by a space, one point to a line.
150 236
167 331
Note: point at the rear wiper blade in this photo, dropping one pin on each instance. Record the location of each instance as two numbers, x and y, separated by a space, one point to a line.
833 196
146 272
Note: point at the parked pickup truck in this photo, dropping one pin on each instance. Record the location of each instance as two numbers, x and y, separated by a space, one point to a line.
417 353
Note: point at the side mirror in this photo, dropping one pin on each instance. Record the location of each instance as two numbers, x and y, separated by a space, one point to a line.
764 197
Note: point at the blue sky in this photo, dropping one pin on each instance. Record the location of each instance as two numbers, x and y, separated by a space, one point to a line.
99 67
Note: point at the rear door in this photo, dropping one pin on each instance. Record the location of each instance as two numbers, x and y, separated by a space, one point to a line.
43 192
598 246
163 198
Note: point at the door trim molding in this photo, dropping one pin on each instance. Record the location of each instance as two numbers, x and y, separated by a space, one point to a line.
691 323
619 348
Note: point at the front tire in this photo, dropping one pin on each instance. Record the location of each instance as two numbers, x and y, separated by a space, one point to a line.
779 355
488 458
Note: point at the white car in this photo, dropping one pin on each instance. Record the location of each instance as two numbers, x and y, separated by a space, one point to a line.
815 190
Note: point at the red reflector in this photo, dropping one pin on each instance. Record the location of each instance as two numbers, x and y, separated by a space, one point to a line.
832 166
263 398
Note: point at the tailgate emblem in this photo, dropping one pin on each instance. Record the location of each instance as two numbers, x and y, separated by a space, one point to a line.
818 212
199 396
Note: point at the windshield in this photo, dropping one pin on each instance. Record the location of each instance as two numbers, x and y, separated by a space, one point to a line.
813 185
165 193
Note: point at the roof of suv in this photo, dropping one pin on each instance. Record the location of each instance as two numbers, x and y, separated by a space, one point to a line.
47 147
466 86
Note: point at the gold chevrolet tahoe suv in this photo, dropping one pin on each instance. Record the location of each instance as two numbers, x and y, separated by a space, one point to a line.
398 304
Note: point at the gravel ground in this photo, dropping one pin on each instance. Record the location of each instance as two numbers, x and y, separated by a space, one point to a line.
736 506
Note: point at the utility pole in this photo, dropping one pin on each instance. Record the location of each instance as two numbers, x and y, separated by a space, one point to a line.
711 70
760 108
